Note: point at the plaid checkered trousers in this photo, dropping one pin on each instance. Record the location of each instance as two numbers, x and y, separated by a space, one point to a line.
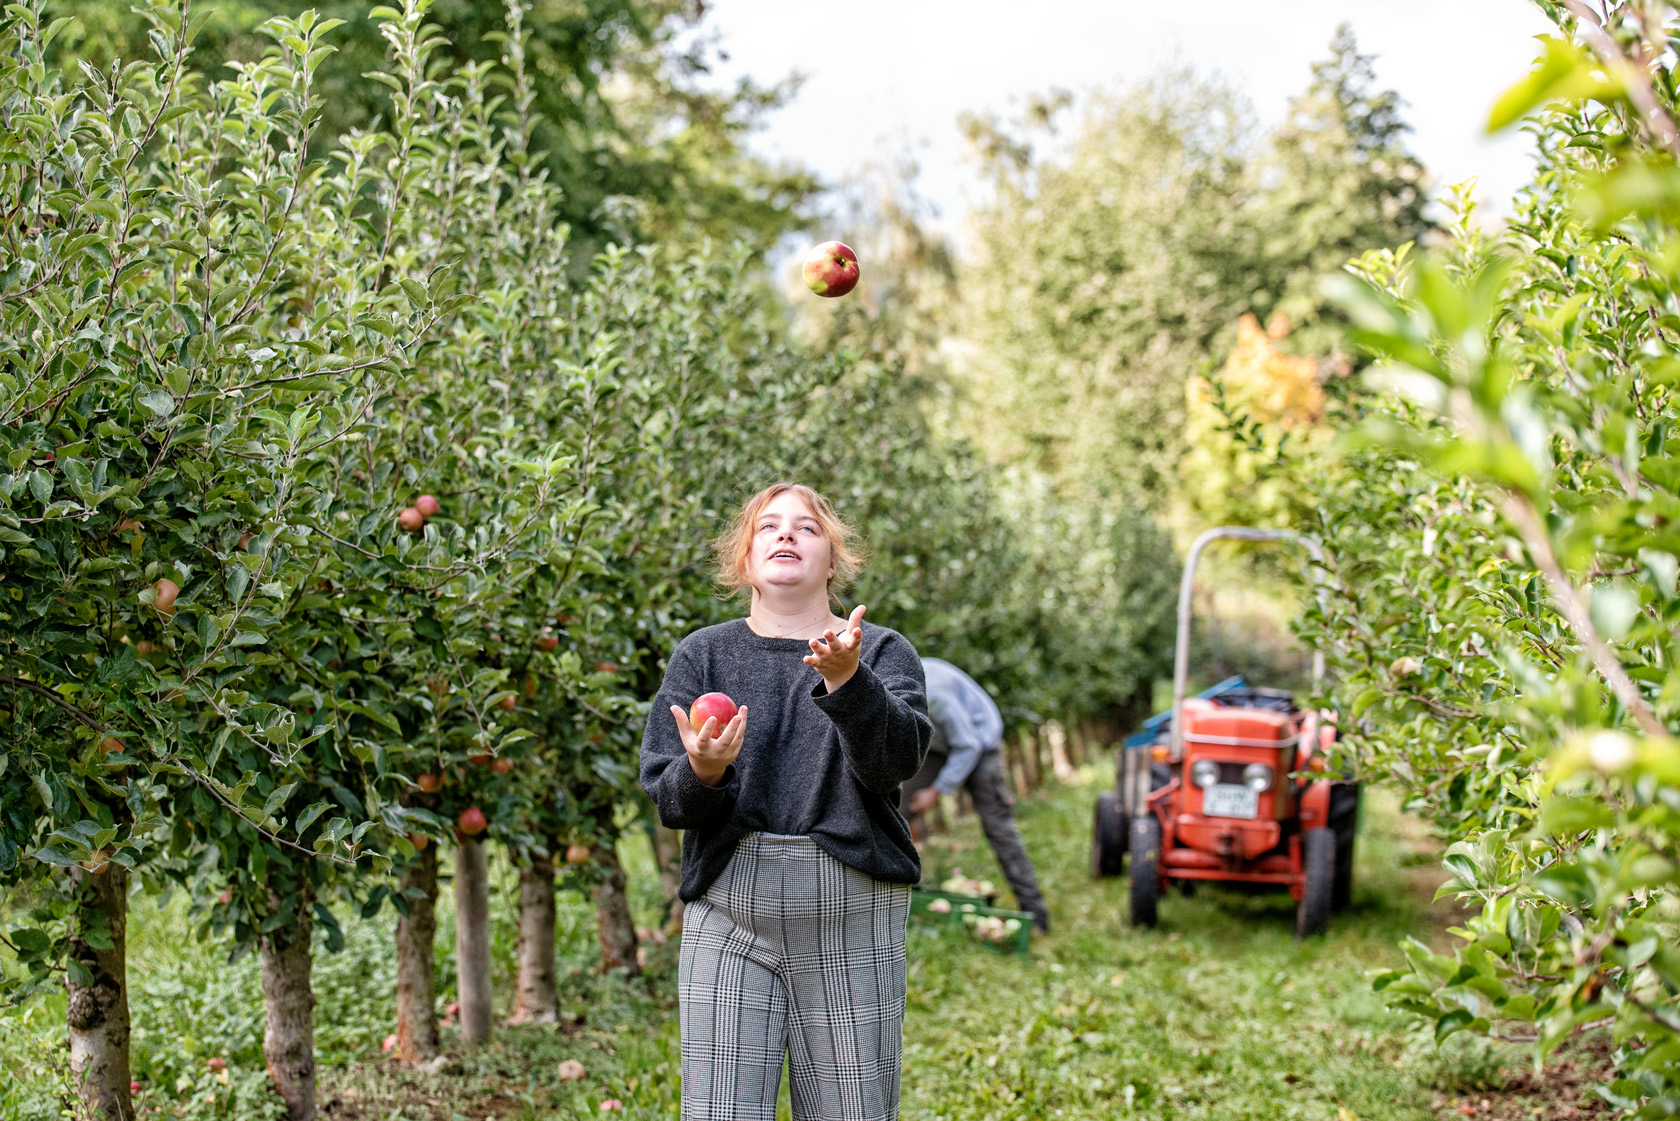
792 952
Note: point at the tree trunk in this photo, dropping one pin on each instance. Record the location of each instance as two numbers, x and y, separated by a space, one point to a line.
1060 766
1029 759
536 1001
612 914
417 1027
472 939
98 1008
289 1003
667 851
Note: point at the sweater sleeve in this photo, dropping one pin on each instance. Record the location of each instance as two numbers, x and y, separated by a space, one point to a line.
881 715
682 799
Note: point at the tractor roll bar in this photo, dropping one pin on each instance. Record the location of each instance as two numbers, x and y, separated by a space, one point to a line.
1181 655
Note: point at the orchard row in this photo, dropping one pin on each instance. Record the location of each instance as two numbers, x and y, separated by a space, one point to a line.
345 513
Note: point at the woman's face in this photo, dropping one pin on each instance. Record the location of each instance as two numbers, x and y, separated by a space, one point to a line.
789 549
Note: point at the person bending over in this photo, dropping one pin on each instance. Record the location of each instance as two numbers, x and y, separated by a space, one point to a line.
797 864
967 752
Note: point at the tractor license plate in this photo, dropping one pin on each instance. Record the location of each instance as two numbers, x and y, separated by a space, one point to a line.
1228 799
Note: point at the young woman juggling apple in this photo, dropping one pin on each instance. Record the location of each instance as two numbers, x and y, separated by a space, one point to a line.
797 865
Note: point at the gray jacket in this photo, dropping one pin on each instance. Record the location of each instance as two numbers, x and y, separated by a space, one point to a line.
966 718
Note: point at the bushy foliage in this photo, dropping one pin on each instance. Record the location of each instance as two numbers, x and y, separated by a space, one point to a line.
1503 631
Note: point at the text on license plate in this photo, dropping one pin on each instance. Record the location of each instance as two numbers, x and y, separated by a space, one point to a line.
1228 799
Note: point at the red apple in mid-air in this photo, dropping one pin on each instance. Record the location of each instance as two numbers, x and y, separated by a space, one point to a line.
427 505
472 821
831 269
712 705
167 590
411 519
430 783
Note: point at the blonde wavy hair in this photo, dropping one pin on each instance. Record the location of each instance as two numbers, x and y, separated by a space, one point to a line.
734 548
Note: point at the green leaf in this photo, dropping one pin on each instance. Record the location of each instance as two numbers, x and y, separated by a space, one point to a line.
1563 72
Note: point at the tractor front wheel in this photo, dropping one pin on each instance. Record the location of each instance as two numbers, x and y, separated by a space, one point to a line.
1108 837
1318 862
1146 869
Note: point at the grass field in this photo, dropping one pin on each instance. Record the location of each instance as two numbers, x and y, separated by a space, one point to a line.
1219 1013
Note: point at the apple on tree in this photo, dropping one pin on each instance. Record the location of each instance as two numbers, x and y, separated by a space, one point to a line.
411 520
164 602
472 821
577 854
429 783
830 269
427 505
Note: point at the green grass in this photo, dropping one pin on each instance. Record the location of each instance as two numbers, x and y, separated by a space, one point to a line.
1219 1013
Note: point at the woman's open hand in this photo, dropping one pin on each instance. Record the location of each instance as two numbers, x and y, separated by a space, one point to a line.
710 751
836 656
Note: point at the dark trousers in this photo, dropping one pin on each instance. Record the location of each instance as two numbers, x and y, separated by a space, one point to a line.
986 786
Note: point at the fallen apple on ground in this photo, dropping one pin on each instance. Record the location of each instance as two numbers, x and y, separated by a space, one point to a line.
830 269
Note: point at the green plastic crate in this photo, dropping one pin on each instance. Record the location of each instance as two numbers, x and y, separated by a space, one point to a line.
966 905
922 897
1019 942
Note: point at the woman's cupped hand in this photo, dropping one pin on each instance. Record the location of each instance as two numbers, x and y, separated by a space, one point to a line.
711 750
836 656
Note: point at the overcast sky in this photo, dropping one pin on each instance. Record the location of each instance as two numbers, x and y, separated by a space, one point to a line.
892 75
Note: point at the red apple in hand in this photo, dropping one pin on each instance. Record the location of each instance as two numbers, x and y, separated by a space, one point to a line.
472 821
427 505
831 269
712 705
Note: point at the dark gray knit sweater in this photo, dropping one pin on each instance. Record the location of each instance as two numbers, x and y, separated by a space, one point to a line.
813 763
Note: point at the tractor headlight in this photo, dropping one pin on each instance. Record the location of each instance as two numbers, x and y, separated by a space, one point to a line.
1204 772
1257 777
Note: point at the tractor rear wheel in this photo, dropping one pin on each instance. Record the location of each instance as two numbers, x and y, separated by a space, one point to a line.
1344 822
1146 869
1318 863
1108 837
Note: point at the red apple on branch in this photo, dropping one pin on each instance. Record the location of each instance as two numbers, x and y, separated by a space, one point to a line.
712 705
548 641
427 505
472 821
411 520
429 783
167 590
502 765
831 269
577 854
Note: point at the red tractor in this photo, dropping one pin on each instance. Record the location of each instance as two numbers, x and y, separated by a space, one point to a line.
1231 787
